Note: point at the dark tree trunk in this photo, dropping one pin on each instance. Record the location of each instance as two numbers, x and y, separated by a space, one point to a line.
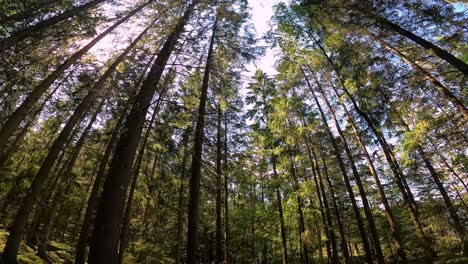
107 227
439 52
300 213
226 193
86 227
180 211
32 10
280 211
357 178
444 91
62 190
22 111
456 221
136 172
195 170
219 231
393 163
383 198
36 29
341 164
344 245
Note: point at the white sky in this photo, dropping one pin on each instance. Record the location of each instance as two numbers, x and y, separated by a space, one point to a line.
262 11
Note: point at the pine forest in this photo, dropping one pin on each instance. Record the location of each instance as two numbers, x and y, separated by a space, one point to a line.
233 131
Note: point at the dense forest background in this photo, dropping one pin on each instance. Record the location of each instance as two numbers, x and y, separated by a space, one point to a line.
136 132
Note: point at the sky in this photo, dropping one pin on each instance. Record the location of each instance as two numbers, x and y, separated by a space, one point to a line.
262 11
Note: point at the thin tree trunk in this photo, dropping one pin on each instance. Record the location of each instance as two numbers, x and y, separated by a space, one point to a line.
180 211
34 30
383 198
389 155
22 111
300 213
195 171
34 9
226 193
446 93
439 52
336 151
219 232
344 245
323 201
280 211
457 223
357 178
44 236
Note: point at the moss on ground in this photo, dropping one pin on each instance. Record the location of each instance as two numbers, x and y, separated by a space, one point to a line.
60 253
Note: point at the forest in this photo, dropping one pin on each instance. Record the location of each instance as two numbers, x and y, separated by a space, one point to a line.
151 131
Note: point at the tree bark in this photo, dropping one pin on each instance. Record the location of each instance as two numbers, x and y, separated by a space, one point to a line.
344 245
300 213
62 190
280 211
336 151
107 228
86 227
389 155
226 193
444 91
332 254
439 52
180 211
136 172
219 232
383 198
357 178
195 170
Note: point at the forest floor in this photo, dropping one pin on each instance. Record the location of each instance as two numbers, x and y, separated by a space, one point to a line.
62 253
58 253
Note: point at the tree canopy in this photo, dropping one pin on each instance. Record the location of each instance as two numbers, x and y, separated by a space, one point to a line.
146 132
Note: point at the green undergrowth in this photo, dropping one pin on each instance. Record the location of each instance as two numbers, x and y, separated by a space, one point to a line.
58 252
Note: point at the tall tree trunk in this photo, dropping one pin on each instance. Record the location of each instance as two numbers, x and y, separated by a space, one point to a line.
136 172
107 228
332 254
341 165
446 93
383 198
344 245
399 179
226 193
32 10
300 213
439 52
389 155
86 227
456 222
195 170
357 178
280 211
34 30
5 155
22 111
180 211
62 190
219 232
